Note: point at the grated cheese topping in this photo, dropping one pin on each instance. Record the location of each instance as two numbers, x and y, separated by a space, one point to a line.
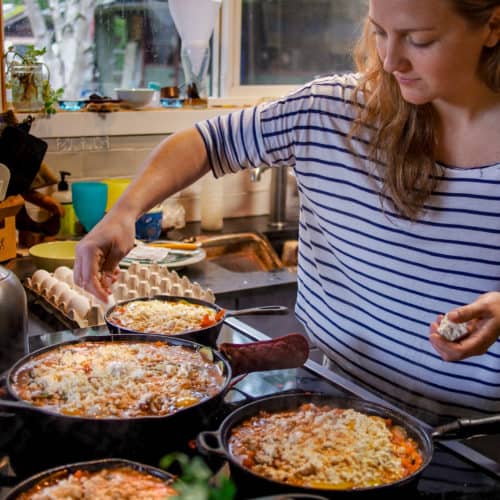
121 483
117 379
163 316
324 447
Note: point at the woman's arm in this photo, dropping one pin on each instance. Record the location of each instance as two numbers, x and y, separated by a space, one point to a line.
483 325
175 163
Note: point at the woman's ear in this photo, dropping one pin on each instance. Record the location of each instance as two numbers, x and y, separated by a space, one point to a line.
494 29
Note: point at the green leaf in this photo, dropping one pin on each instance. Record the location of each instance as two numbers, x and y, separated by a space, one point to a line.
195 481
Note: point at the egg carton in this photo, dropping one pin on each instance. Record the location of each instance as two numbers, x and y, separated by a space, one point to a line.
58 291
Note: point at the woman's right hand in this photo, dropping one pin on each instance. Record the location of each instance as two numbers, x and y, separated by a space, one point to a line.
99 253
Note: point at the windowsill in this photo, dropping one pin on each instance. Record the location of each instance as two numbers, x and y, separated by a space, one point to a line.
138 122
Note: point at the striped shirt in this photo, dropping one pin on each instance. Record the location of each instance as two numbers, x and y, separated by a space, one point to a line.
369 280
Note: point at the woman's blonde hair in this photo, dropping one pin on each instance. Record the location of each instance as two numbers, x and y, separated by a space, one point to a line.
405 134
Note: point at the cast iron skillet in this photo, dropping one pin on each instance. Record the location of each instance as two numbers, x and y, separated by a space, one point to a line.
64 471
206 336
217 442
43 438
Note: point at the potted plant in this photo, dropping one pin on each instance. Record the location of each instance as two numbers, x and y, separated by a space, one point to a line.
30 88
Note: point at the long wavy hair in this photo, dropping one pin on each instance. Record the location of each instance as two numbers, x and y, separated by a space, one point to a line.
405 134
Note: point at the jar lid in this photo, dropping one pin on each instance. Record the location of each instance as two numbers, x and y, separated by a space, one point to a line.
169 92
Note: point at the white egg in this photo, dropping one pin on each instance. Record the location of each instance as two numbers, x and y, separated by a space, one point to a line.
79 304
47 284
65 274
38 277
60 292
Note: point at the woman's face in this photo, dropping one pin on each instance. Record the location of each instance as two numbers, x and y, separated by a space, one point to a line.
431 50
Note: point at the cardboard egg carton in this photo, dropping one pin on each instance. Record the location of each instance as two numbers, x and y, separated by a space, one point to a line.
59 292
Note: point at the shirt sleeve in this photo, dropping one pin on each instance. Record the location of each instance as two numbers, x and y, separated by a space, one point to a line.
272 133
262 135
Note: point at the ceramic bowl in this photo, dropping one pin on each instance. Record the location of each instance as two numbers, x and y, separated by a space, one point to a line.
52 254
135 98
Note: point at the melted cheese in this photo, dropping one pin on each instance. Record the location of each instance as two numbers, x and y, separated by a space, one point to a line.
322 447
108 484
162 316
117 379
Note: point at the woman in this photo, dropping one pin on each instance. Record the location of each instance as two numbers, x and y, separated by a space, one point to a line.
398 169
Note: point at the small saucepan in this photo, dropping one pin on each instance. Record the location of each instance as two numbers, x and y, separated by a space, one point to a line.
203 327
52 476
217 443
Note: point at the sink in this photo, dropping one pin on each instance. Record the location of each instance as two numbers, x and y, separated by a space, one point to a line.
250 253
285 243
241 252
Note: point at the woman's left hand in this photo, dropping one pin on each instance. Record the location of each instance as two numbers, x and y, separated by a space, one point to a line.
483 325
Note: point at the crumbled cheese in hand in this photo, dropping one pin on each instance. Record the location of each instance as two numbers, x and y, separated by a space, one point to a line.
450 330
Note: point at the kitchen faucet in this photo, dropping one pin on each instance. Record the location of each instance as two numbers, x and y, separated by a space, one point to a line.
277 215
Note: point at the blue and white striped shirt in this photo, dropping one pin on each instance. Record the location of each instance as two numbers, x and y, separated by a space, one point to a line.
369 281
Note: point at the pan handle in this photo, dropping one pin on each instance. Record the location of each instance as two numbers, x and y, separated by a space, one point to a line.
464 428
288 351
203 445
257 310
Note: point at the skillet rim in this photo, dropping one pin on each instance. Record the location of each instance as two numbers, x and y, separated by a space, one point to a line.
167 298
125 337
408 422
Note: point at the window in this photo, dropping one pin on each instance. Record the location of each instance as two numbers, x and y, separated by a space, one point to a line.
271 46
95 46
259 47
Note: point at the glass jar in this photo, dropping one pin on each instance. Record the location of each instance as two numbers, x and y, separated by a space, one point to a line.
26 81
195 59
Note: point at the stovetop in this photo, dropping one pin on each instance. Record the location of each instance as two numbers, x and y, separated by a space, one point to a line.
457 471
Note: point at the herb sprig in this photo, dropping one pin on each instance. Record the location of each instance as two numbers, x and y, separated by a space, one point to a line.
195 481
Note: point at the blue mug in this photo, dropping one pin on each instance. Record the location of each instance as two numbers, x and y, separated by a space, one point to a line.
148 226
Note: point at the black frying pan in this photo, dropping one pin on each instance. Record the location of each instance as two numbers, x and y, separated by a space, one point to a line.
63 471
216 442
47 438
203 335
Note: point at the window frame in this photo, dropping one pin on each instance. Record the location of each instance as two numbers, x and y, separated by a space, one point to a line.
230 58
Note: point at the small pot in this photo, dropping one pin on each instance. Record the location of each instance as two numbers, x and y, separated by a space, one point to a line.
92 466
207 335
216 443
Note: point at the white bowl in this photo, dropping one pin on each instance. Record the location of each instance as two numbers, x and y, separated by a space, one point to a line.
136 98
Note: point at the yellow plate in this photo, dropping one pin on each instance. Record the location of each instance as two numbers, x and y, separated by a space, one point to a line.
53 254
